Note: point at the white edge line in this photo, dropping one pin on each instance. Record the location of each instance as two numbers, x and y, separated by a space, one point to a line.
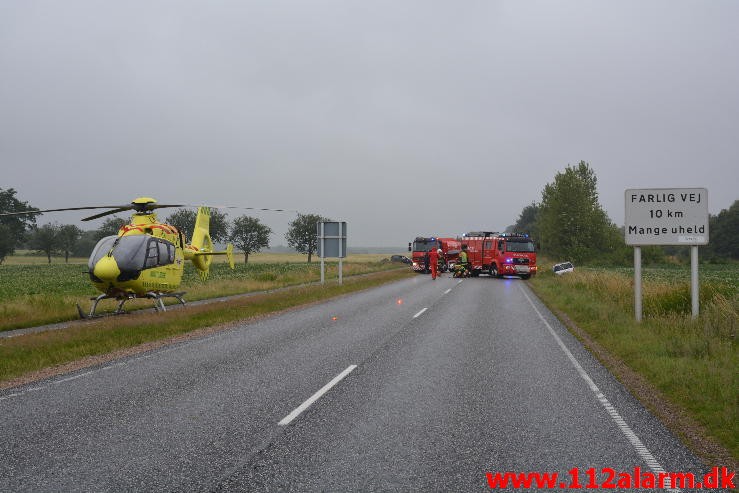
305 405
638 445
448 291
73 377
420 313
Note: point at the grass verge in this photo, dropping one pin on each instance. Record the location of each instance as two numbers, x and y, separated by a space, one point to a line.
684 370
29 357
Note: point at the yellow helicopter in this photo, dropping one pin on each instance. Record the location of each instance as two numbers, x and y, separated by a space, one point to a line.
146 258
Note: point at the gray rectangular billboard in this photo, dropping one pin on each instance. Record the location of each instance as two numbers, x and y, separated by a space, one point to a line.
331 239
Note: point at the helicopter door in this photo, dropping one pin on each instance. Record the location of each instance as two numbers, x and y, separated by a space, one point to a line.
158 253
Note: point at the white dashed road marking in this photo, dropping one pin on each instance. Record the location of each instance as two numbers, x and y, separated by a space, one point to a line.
305 405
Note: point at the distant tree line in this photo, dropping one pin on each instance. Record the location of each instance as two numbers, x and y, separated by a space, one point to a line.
248 234
570 224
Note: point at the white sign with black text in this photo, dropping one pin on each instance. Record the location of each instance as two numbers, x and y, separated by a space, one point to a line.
666 216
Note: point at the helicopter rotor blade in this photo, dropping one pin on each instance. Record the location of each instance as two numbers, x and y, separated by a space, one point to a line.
108 213
36 211
140 208
115 209
162 206
264 209
245 208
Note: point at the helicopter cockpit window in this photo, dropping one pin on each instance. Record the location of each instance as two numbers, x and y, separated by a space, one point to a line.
101 249
152 255
166 252
134 253
130 252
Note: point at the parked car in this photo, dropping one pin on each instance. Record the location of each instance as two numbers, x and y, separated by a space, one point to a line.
400 258
563 267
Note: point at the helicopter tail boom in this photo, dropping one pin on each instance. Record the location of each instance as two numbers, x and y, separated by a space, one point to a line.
201 248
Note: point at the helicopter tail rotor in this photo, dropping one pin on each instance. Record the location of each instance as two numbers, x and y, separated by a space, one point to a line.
201 247
230 255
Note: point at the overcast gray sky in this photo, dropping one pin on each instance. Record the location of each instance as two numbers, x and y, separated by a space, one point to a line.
402 118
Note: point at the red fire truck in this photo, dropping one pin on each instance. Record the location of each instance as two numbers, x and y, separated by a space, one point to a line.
420 247
500 254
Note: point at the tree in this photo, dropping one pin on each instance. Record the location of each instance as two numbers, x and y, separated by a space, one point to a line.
571 223
302 234
526 222
111 226
13 228
86 243
7 242
724 233
68 236
249 235
45 239
184 220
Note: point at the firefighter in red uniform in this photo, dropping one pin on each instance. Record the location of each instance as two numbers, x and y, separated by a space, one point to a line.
434 262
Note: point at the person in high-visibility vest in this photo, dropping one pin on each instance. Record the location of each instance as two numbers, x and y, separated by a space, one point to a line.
434 262
463 259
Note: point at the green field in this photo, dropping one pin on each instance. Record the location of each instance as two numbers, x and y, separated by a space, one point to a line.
35 293
708 273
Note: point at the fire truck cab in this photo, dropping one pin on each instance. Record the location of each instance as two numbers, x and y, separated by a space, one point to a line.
420 247
500 254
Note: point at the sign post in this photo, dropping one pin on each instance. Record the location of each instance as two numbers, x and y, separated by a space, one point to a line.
331 243
666 216
637 283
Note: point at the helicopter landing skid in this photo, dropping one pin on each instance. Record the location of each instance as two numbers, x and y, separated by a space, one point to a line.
156 297
159 304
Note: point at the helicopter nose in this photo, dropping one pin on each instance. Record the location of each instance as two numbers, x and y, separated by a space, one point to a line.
106 269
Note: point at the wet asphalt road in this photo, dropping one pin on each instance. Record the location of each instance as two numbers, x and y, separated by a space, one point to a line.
441 382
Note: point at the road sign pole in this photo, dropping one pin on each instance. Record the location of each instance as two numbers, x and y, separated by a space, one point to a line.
341 255
323 254
694 285
637 283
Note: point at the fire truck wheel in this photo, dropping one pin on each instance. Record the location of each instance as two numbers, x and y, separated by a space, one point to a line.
494 271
